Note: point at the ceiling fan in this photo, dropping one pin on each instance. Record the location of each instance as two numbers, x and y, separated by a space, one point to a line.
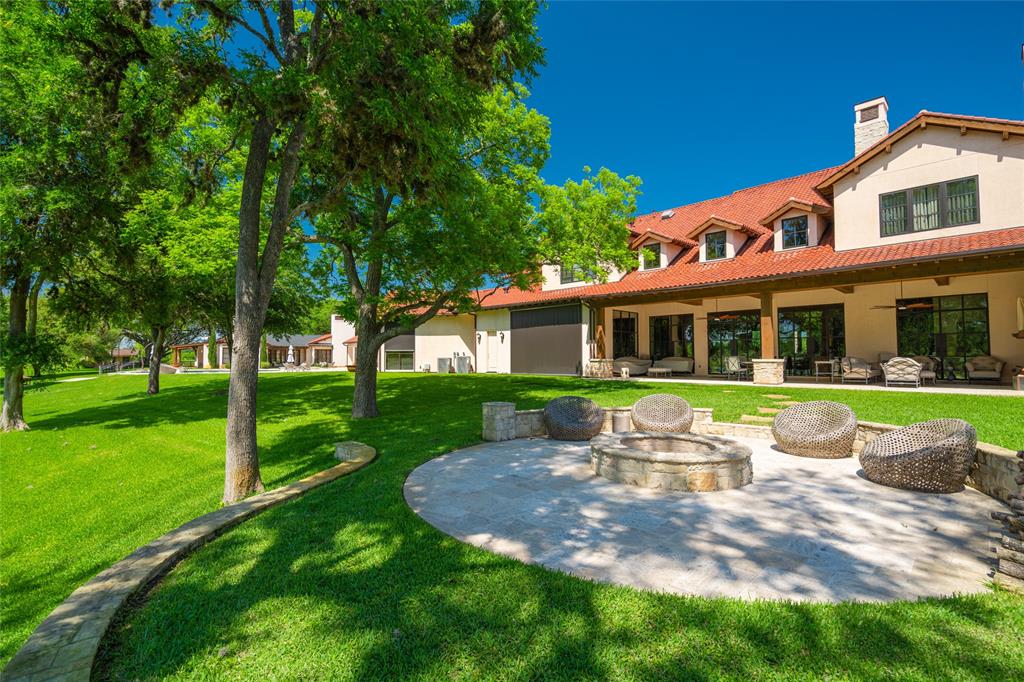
920 305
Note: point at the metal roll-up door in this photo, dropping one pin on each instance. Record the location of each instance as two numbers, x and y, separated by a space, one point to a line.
547 340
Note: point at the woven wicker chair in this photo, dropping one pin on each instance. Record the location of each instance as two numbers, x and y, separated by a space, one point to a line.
933 456
662 412
820 428
573 418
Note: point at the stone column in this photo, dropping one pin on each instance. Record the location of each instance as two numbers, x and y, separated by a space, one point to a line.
769 371
499 421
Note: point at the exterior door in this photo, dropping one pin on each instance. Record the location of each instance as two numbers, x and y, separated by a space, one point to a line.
492 351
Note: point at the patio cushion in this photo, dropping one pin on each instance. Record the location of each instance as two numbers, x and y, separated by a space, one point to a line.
676 364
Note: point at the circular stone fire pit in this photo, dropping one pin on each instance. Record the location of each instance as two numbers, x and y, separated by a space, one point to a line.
671 461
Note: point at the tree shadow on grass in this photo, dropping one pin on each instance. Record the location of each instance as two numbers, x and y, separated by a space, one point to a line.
369 591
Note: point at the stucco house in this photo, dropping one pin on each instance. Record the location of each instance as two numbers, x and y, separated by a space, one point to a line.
914 246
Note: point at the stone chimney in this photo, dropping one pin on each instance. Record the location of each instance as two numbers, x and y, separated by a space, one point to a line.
871 123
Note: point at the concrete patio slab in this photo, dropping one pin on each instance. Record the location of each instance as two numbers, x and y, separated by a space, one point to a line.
805 529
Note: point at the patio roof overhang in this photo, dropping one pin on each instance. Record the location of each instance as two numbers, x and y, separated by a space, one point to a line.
842 279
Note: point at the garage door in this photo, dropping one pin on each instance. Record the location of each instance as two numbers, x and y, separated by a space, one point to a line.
547 340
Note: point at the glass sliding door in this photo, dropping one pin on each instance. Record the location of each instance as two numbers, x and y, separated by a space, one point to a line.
671 336
949 328
625 326
810 333
734 333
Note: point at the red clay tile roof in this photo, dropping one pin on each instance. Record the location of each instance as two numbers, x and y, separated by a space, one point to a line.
745 207
320 339
758 261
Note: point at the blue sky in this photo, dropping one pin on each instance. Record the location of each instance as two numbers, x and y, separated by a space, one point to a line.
702 99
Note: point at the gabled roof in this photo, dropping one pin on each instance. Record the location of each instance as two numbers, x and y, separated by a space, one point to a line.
789 205
924 119
715 221
296 340
663 238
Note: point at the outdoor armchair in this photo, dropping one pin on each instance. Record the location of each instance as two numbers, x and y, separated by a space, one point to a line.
858 369
573 418
662 412
984 367
819 428
903 371
933 456
929 368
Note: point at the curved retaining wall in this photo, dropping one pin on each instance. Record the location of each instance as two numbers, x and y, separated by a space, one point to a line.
993 471
64 645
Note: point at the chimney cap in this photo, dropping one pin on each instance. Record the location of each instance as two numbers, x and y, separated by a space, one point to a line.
872 102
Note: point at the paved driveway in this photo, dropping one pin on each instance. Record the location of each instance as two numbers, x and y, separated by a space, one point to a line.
805 529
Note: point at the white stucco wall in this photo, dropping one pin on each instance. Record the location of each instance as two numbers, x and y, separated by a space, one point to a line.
341 331
553 278
494 323
734 241
444 336
935 154
815 227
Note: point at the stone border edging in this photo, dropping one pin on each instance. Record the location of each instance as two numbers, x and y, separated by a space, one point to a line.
992 473
63 647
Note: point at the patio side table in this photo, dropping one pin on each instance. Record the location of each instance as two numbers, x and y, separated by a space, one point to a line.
826 368
659 372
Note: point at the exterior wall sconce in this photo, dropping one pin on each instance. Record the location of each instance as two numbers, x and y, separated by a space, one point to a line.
479 338
501 335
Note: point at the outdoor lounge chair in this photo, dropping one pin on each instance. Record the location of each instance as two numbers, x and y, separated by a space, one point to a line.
820 428
662 412
676 364
573 418
635 365
734 365
933 456
858 369
929 368
902 371
984 367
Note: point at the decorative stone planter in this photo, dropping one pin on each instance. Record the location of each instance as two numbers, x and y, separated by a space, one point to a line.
671 461
769 371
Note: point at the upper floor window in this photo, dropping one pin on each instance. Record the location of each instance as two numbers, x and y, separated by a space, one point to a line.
651 256
794 232
944 204
714 245
569 275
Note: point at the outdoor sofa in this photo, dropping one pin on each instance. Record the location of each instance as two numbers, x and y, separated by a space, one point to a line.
858 369
984 367
902 372
676 364
635 365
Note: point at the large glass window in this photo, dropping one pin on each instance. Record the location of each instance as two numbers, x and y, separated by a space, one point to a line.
950 328
794 232
572 274
714 245
671 336
944 204
737 333
624 333
810 333
398 360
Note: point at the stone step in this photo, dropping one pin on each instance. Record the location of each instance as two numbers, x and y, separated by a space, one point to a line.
756 419
775 396
769 410
787 403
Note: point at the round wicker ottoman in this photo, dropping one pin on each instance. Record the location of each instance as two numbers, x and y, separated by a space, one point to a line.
573 418
662 412
933 456
820 428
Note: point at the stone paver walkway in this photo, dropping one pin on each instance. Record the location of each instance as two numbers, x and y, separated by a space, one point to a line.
805 529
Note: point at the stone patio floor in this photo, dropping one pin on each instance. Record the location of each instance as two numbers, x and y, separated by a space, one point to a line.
804 530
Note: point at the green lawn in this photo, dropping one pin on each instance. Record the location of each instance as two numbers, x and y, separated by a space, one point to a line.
348 583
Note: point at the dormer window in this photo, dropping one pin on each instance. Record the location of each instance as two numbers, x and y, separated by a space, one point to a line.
794 232
714 245
650 256
572 274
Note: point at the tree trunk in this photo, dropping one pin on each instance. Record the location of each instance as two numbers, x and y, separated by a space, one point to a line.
153 387
364 399
12 416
